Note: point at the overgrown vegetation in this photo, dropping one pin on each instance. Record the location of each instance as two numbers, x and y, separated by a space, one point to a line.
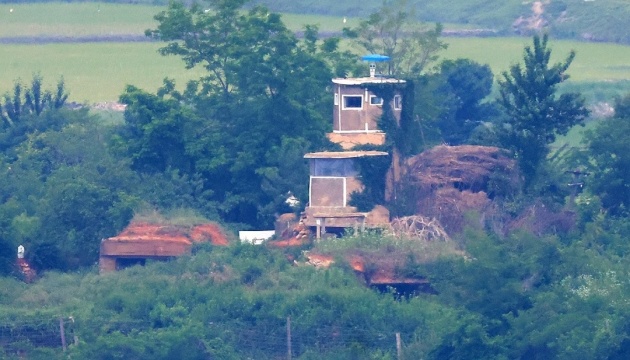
228 148
234 303
535 113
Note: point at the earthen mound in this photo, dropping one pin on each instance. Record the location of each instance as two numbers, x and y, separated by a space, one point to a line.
143 231
144 240
449 181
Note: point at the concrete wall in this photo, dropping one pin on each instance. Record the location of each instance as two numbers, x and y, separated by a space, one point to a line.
143 248
333 191
106 264
327 191
356 119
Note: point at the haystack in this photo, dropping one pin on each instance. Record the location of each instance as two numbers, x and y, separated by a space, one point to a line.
449 181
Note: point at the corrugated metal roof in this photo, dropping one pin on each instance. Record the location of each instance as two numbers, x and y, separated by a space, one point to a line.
367 80
343 154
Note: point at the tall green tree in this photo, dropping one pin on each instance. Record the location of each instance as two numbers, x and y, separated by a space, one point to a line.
464 85
622 107
223 41
263 91
155 131
535 113
65 192
394 31
20 111
607 160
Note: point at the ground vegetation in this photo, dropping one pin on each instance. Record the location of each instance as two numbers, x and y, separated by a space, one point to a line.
534 113
229 146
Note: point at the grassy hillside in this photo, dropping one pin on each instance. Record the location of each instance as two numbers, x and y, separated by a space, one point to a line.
228 303
106 19
602 20
99 71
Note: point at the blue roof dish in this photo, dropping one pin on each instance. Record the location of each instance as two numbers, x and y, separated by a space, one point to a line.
375 58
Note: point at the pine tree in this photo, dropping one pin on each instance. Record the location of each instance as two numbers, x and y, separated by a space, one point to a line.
535 114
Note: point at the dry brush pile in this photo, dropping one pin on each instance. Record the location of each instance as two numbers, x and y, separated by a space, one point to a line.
449 181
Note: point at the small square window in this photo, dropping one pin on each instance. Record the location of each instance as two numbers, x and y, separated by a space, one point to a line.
375 100
333 167
397 102
353 102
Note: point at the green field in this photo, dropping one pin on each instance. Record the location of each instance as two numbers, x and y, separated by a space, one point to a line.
93 72
593 62
75 19
89 19
104 19
97 72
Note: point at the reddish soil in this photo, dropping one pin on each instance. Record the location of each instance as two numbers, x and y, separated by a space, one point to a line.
141 231
209 232
294 241
27 272
381 274
296 234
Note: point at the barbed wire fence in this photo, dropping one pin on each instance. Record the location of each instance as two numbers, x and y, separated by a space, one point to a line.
278 339
19 336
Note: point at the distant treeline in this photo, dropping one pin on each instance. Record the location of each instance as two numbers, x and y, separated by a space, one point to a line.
138 2
604 20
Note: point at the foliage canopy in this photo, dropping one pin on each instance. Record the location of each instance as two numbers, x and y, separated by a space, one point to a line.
245 126
534 112
393 31
231 145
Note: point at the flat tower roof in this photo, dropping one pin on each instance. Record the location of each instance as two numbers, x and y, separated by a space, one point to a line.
343 154
367 80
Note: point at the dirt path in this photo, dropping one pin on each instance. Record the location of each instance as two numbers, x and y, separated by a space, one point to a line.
37 40
54 39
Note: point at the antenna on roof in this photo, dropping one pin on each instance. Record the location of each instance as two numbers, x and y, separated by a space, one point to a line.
373 59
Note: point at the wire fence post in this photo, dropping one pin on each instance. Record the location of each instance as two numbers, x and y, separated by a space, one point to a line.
63 334
288 337
399 346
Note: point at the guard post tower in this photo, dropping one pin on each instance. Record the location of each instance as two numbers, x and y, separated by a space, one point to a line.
334 176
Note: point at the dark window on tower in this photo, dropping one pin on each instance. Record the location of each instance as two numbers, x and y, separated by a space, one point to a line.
375 100
333 167
353 102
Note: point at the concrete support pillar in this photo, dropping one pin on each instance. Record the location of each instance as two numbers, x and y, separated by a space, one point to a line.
106 264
